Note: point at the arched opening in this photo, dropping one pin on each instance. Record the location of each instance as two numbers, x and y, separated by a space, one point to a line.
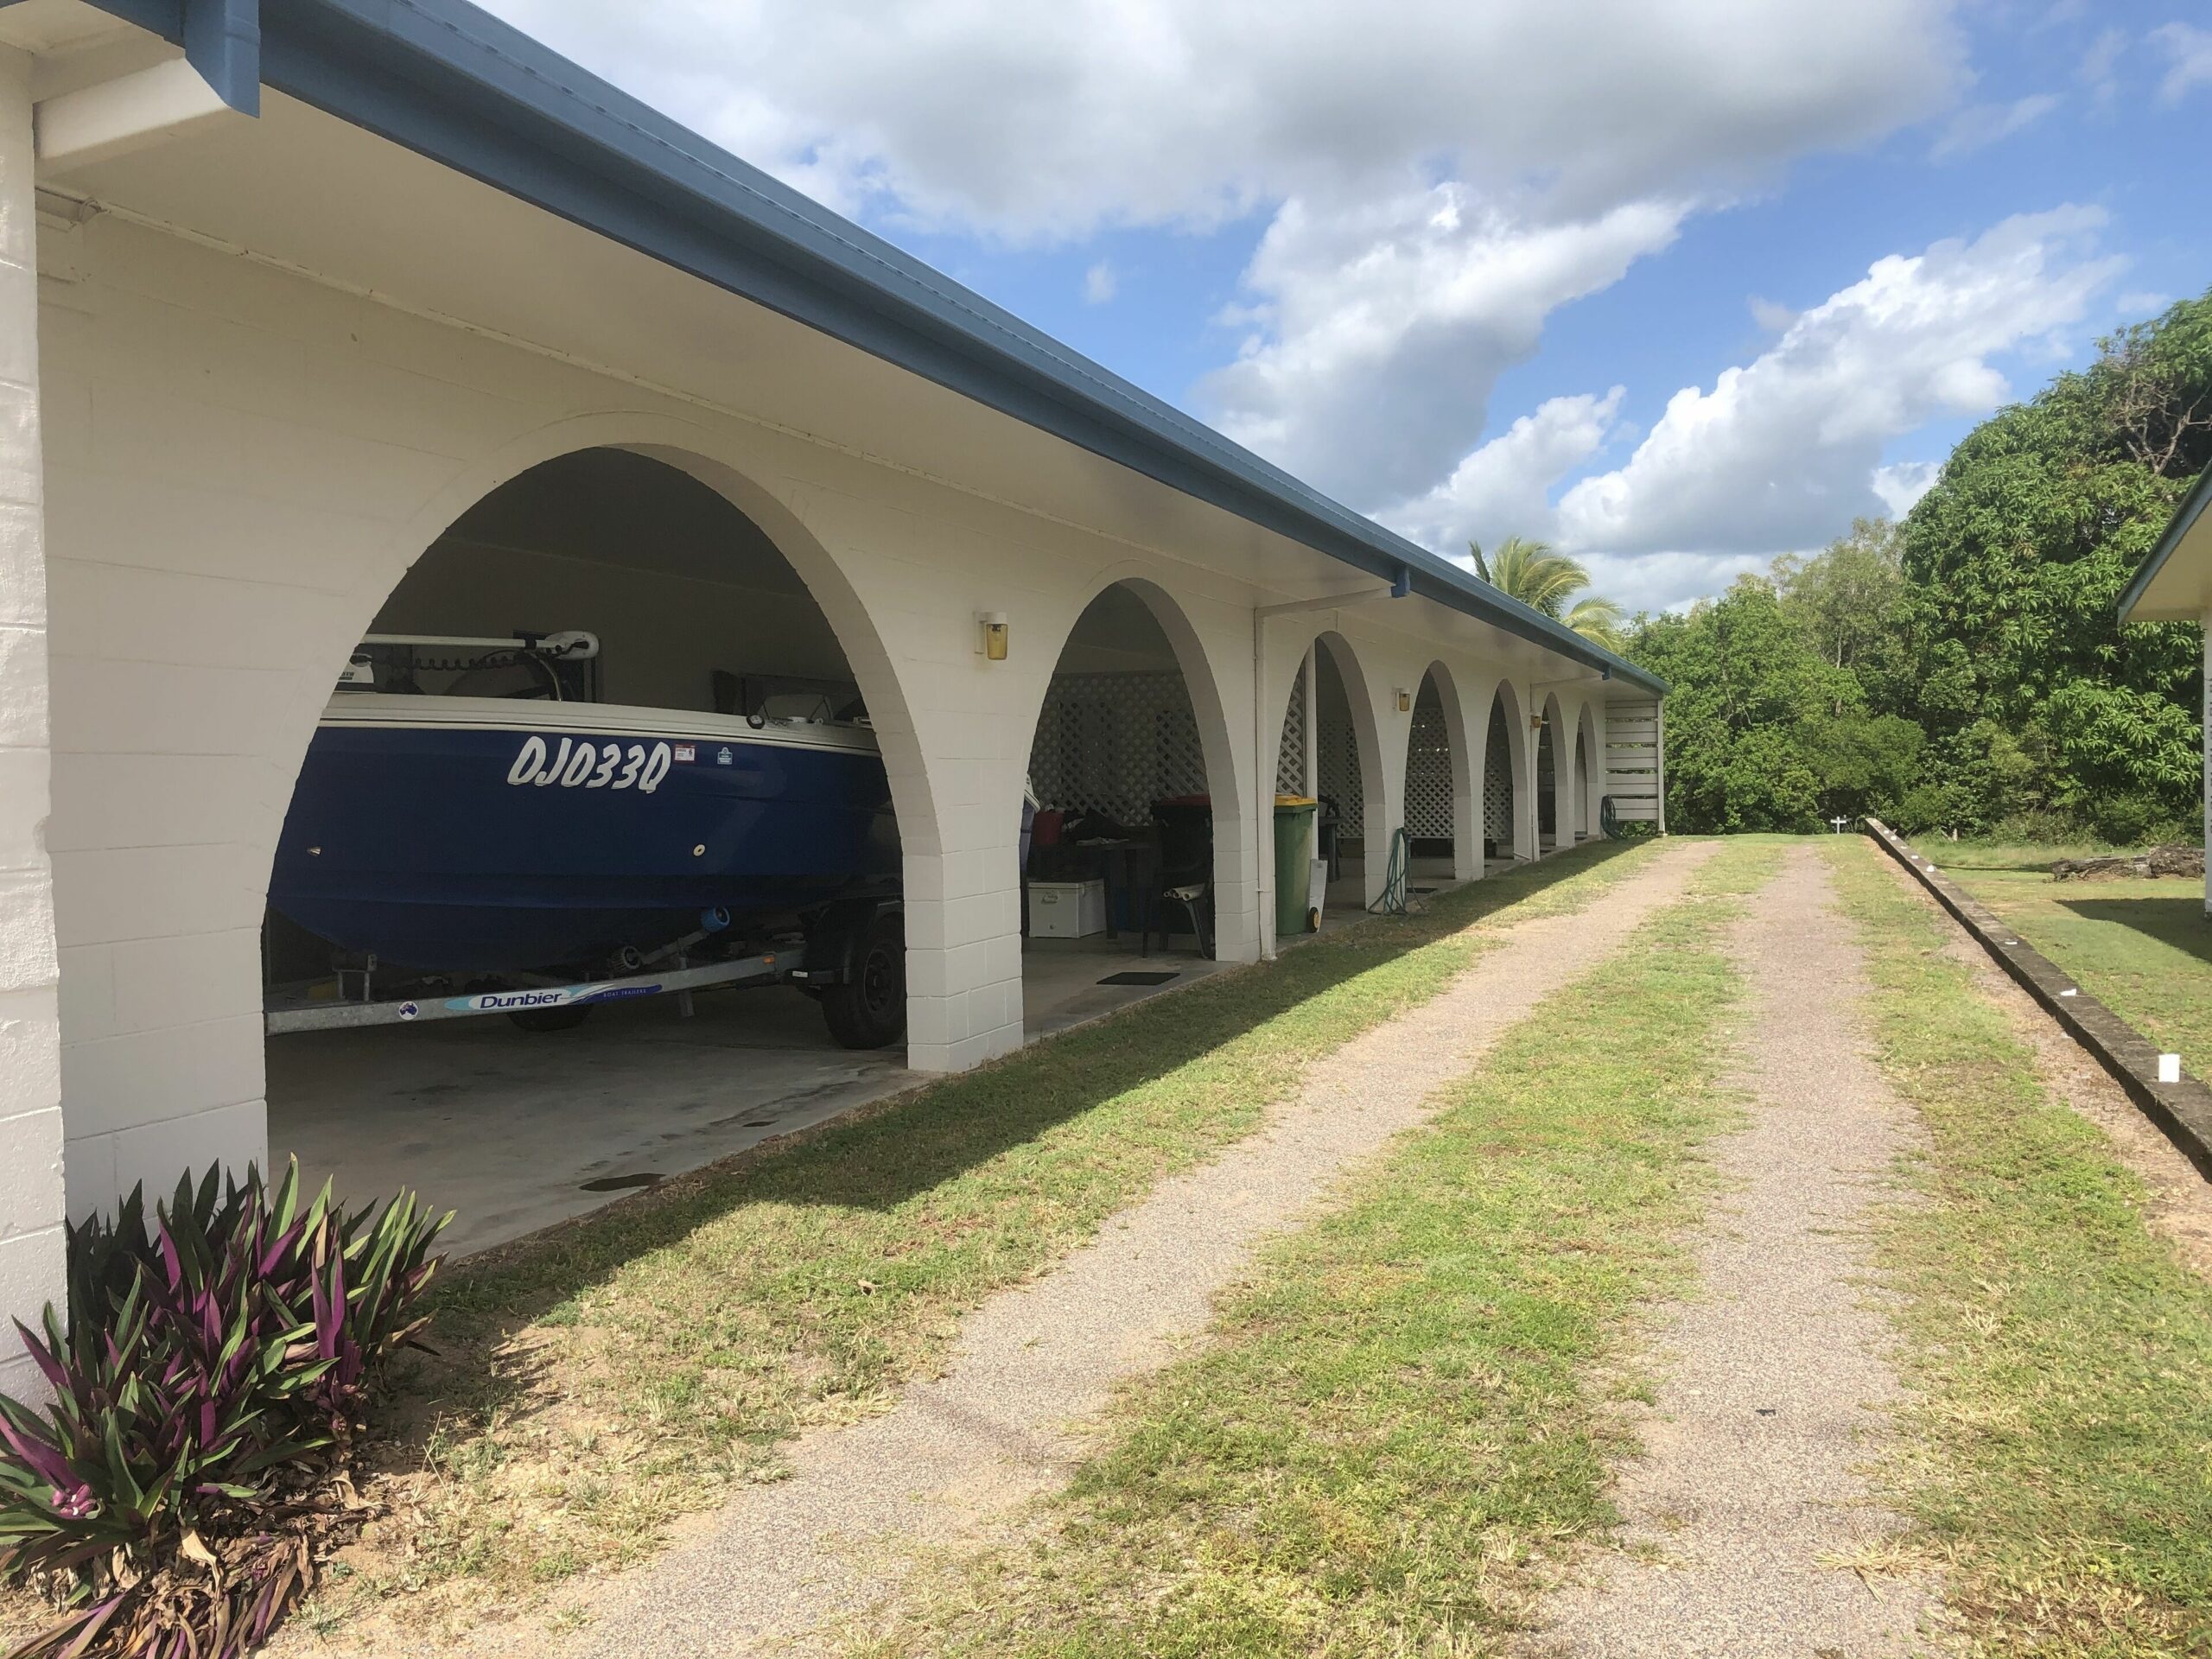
1438 818
1589 781
1329 750
600 759
1554 781
1504 765
1131 792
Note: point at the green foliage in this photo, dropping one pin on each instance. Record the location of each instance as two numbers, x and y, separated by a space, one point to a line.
1967 669
1546 581
204 1398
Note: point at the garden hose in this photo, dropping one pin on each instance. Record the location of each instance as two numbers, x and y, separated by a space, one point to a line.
1393 900
1608 820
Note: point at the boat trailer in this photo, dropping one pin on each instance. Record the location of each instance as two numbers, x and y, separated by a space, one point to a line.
336 1014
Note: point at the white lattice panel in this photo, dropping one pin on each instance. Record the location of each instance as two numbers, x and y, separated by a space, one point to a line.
1498 780
1290 759
1339 769
1429 769
1114 743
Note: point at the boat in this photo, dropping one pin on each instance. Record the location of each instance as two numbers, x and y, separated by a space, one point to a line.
463 806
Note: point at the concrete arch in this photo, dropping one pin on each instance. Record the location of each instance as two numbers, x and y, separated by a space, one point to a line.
1517 765
1202 681
1466 802
705 455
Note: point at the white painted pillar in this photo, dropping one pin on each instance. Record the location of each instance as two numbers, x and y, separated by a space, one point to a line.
32 1204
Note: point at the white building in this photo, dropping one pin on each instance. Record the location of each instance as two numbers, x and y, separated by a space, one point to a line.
2175 585
286 292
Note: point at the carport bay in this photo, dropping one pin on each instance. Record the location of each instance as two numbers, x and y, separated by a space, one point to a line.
255 371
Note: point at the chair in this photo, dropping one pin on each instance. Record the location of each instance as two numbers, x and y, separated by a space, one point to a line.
1185 877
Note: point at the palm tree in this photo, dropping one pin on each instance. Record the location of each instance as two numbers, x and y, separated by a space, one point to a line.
1546 579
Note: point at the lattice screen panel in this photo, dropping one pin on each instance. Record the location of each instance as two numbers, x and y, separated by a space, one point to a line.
1290 759
1429 769
1498 780
1339 765
1115 743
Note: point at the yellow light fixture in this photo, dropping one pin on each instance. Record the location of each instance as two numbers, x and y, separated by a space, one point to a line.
993 643
1405 700
1535 722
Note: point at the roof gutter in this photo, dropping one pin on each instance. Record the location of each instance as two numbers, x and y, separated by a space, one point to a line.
453 84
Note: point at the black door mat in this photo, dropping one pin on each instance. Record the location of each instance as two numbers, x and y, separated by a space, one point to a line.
1138 979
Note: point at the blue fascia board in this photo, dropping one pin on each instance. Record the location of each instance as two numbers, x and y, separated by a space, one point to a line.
2184 518
454 83
222 41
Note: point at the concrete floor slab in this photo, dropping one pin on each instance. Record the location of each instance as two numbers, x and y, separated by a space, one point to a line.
508 1129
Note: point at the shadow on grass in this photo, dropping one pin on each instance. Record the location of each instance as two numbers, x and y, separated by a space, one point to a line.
2178 920
882 1155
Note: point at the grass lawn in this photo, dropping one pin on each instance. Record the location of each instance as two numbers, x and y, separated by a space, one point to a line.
2145 948
599 1382
1397 1408
2057 1452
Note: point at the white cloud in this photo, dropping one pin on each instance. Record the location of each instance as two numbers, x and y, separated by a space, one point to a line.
1380 329
1771 316
1902 483
1980 125
1050 120
1666 581
1501 489
2100 66
1100 284
2189 58
1782 453
2142 302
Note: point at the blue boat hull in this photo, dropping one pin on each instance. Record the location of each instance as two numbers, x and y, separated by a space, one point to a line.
456 847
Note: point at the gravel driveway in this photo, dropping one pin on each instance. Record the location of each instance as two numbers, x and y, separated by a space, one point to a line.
1003 1423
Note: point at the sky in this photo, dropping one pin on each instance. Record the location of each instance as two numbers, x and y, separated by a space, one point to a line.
1674 285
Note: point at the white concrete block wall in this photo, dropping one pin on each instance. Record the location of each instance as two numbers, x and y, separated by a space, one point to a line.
31 1186
240 465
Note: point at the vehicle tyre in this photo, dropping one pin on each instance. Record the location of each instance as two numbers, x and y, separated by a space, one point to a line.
868 1008
567 1018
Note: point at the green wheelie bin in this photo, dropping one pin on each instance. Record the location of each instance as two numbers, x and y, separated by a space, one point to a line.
1293 863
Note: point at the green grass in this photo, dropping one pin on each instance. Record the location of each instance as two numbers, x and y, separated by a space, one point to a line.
599 1382
2058 1450
1397 1409
2144 948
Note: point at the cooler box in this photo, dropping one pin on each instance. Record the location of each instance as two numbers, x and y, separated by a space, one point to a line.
1066 910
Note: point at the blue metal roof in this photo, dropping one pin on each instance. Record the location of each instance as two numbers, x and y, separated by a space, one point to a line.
450 82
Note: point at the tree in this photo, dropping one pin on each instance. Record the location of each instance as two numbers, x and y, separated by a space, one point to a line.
1967 670
2035 698
1546 579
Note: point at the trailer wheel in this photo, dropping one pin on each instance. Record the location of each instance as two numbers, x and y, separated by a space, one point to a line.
567 1018
868 1008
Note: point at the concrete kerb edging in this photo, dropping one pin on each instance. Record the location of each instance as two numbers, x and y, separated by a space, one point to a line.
2182 1110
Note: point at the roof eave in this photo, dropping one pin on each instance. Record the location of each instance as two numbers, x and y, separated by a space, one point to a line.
2177 527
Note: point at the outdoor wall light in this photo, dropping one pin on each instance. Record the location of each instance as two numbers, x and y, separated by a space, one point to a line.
993 641
1405 699
1535 722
